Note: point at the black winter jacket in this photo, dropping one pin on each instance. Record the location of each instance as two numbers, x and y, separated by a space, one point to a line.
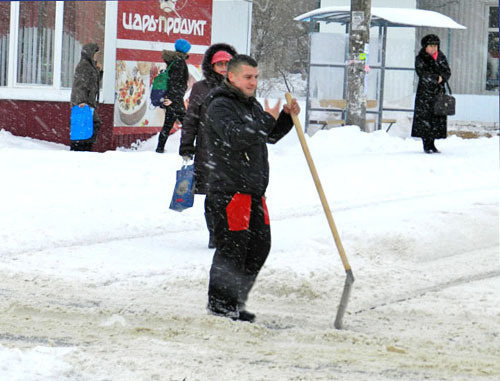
178 77
238 130
194 139
425 123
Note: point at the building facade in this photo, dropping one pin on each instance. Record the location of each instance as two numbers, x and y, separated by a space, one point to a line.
473 54
40 45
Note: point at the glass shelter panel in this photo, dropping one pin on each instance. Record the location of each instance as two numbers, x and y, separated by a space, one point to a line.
326 77
400 63
398 53
389 75
35 49
328 48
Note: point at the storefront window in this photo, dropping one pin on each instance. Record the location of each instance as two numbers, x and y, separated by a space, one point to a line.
4 41
83 23
35 52
492 62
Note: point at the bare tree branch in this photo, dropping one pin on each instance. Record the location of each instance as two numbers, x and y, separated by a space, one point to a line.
279 42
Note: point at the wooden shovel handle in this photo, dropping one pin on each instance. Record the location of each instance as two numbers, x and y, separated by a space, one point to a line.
319 188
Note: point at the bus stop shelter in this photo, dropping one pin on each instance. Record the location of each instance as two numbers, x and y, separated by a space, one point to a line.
383 18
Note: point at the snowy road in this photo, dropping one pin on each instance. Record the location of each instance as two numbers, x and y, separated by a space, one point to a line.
109 292
155 329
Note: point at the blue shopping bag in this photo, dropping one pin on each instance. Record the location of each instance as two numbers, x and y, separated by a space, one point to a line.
183 196
82 124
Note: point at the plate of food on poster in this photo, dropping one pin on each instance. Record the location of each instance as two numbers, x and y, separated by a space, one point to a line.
132 87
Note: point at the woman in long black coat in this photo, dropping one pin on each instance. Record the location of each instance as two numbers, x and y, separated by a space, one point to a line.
433 72
194 137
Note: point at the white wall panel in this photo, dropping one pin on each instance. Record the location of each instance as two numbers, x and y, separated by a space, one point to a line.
231 23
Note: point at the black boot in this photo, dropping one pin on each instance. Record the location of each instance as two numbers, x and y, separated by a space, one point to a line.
427 145
162 140
221 308
161 147
246 316
433 147
243 291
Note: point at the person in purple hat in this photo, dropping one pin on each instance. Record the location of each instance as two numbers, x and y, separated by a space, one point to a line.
194 140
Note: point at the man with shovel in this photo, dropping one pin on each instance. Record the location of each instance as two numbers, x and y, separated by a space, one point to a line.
238 130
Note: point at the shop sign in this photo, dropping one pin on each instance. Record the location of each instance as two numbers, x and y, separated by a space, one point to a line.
166 21
144 29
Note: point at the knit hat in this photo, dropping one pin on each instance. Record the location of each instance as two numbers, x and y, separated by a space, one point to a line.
182 46
221 55
430 39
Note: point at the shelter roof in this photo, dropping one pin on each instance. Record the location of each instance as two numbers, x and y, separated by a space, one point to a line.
400 17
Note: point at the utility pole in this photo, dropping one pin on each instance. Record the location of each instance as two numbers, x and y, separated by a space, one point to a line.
359 37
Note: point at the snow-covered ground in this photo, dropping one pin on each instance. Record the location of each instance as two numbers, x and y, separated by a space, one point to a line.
101 281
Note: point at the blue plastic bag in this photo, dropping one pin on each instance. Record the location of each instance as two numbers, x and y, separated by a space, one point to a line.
183 196
82 123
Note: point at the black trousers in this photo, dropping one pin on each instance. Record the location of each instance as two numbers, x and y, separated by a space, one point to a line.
171 115
428 144
209 215
86 145
243 241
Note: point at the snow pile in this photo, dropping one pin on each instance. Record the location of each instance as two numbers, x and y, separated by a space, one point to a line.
39 363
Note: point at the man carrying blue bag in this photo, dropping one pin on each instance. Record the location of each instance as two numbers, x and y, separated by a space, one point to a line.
84 100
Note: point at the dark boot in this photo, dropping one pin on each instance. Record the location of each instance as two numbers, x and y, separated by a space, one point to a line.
81 146
246 316
427 145
218 307
162 140
246 285
433 147
170 117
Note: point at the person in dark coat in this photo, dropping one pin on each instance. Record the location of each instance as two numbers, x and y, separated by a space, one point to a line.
433 72
85 91
238 131
194 136
178 76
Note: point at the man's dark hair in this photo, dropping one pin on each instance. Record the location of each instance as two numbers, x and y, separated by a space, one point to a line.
238 60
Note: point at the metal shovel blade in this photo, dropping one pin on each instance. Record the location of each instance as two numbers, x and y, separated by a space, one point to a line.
349 280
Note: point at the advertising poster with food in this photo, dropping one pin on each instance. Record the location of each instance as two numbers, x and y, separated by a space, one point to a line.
144 30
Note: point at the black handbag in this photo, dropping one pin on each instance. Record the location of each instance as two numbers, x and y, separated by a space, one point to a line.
444 104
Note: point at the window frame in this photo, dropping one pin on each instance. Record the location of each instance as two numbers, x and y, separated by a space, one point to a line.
56 92
488 31
30 62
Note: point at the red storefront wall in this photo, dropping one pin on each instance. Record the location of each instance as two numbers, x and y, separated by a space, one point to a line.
47 120
50 121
